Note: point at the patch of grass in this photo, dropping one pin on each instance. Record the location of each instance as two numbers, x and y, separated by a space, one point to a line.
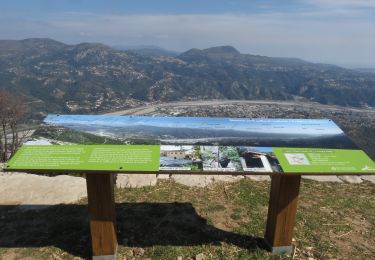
215 207
235 216
334 220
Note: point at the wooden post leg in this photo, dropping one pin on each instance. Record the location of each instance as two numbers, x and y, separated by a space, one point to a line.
282 213
101 205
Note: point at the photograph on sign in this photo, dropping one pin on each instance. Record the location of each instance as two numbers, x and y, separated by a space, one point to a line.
220 158
258 159
180 158
318 133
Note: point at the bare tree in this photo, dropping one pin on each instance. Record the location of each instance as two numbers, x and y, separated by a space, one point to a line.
12 112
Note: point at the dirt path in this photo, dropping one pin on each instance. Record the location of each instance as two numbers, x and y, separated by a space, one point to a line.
34 191
30 191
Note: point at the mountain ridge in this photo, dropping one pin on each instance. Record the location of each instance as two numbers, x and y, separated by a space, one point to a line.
93 77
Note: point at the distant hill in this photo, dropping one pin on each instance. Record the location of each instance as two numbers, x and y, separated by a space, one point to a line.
92 77
366 70
152 51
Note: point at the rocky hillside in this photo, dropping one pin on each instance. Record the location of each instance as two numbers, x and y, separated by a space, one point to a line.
91 77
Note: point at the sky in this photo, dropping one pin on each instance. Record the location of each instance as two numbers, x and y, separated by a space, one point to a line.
339 32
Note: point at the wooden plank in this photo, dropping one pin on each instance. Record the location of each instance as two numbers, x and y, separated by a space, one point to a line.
282 212
101 206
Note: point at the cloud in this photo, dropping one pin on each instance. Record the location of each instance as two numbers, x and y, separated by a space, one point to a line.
339 8
342 3
308 34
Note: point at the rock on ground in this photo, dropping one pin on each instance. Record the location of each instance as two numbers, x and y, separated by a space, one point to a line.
204 180
29 190
351 179
141 180
135 180
328 178
200 256
259 177
370 178
34 191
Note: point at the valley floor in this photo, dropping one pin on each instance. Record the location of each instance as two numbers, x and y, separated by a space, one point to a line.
357 123
154 107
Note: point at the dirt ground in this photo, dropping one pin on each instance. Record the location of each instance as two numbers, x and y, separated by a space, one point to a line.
221 221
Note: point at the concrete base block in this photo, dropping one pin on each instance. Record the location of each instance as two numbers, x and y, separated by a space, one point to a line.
104 257
282 250
279 250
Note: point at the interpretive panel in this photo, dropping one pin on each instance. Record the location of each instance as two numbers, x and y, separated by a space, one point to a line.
323 160
195 144
87 157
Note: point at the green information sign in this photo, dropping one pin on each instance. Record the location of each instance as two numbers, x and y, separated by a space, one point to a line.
190 144
314 160
119 158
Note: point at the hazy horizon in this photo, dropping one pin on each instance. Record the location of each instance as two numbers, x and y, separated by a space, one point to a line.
335 32
141 46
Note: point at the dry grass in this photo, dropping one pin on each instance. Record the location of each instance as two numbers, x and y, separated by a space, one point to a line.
224 221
